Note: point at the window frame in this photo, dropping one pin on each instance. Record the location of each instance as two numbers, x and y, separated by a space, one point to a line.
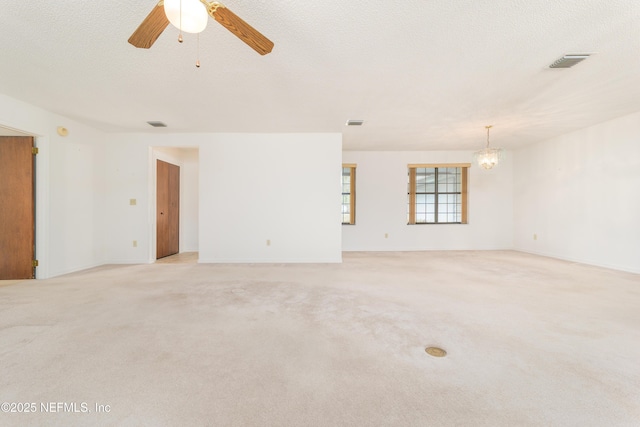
464 172
352 192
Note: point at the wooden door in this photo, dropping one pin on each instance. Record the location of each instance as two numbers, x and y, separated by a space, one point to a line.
17 208
167 209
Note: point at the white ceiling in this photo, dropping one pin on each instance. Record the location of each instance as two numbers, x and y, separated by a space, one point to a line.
423 75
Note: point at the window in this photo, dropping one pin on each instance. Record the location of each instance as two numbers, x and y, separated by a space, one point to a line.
348 194
438 193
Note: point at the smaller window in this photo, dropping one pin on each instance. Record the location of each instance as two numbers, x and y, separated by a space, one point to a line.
349 194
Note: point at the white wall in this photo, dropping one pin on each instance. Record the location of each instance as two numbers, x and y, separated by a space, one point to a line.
580 194
381 205
284 188
252 188
75 215
69 190
127 176
190 199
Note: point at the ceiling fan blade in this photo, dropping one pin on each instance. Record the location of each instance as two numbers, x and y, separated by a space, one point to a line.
151 28
241 29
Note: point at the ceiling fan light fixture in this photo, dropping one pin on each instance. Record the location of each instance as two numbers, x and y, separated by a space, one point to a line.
192 16
192 19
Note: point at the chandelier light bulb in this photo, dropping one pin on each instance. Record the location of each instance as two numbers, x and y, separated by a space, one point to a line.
192 18
487 158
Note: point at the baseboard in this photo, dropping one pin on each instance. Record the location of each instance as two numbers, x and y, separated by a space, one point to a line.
269 261
72 270
413 249
581 261
129 261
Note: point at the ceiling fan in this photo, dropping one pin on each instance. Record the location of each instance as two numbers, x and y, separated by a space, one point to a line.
191 16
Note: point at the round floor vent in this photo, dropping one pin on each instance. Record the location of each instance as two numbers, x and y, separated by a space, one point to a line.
435 351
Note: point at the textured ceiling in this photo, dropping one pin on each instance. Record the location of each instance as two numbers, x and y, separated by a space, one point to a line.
423 75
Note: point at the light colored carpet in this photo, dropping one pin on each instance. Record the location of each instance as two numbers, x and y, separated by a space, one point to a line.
531 341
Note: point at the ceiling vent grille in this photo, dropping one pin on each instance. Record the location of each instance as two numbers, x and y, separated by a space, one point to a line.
569 61
355 122
157 124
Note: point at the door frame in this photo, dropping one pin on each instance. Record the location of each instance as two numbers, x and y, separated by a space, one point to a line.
41 171
41 199
155 155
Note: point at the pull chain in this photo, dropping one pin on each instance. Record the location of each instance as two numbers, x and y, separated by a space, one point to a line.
198 52
180 35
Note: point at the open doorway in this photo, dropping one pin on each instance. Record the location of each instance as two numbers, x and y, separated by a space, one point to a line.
175 210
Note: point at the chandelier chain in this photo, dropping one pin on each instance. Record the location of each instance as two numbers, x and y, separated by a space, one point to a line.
488 127
487 158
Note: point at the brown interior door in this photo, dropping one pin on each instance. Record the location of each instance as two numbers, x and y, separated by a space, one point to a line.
17 208
167 209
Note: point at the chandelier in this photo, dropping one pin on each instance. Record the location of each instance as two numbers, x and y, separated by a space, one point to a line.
487 158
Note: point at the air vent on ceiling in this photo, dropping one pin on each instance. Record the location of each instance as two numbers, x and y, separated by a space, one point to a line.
157 124
355 122
569 61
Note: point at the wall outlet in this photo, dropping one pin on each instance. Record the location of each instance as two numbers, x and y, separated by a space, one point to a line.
535 236
133 202
135 243
386 235
268 242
